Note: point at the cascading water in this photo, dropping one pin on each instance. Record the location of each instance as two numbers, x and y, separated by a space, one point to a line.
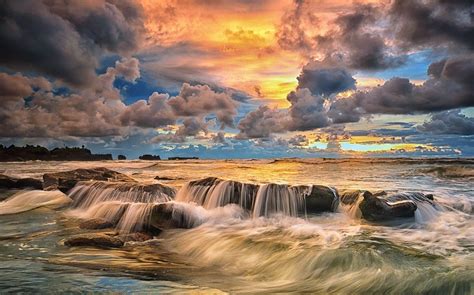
263 200
276 198
213 192
86 194
126 205
29 200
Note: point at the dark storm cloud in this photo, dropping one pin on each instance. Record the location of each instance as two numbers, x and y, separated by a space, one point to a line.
449 87
353 42
373 37
112 25
433 23
449 122
307 111
64 40
323 80
356 44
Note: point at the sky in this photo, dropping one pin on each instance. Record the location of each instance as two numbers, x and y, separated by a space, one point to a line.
240 79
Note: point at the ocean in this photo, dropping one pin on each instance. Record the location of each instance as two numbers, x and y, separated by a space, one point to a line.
262 241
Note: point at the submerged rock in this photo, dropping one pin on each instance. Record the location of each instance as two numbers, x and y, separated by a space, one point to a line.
64 181
96 223
19 183
136 237
376 208
168 215
100 240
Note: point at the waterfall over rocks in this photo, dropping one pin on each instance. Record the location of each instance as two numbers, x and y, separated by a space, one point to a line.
260 200
382 206
126 205
85 194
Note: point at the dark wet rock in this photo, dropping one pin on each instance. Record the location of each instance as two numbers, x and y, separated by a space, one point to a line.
150 157
208 181
99 240
136 237
321 199
350 197
96 223
164 178
121 157
376 208
64 181
169 215
8 182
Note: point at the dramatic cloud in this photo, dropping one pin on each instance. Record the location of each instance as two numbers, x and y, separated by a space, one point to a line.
262 122
352 40
152 113
433 23
323 80
308 104
449 87
356 43
32 109
449 122
201 100
307 111
64 41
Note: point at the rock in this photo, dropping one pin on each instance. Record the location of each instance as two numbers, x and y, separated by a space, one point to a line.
64 181
99 240
169 215
164 178
136 237
350 197
150 157
121 157
321 199
96 223
375 208
19 183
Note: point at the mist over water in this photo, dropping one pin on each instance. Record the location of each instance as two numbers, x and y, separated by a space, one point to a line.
260 239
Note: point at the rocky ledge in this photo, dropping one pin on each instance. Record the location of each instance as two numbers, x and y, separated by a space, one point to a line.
64 181
8 182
